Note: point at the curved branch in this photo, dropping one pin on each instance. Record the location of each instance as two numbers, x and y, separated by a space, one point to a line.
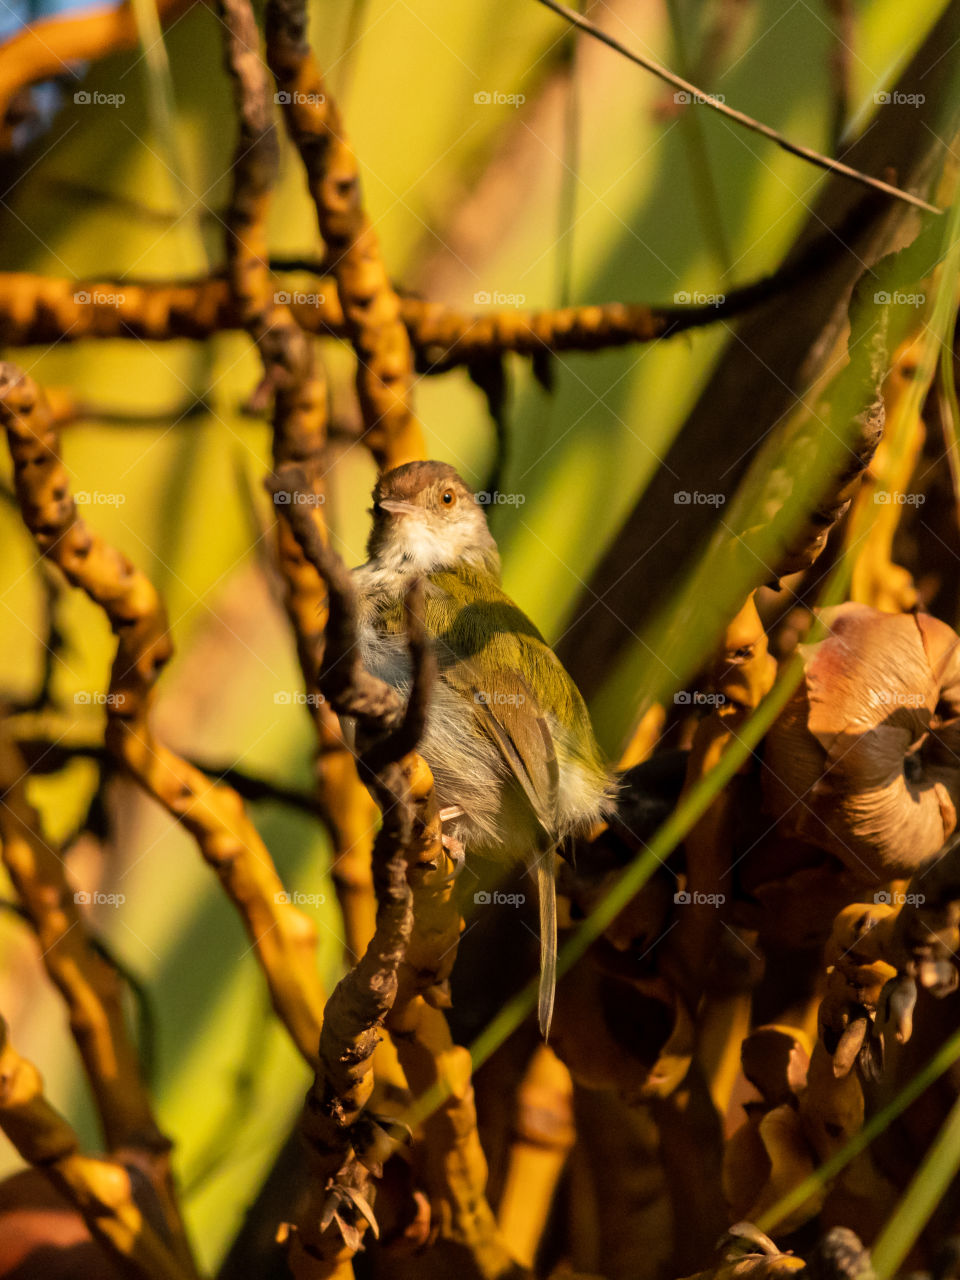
283 937
90 989
371 308
101 1190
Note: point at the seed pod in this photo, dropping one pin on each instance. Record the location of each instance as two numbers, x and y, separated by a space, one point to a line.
898 1000
865 759
775 1061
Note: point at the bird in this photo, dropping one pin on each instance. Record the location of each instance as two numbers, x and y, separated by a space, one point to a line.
517 770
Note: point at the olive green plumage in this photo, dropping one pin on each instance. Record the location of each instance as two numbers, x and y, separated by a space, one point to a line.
479 629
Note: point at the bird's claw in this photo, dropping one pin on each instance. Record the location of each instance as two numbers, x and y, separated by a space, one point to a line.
453 848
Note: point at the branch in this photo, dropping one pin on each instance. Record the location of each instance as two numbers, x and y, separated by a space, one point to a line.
47 754
101 1190
455 1169
738 117
371 308
338 1211
39 309
299 436
283 937
90 989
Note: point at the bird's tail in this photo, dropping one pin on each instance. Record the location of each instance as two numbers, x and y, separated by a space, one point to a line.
547 887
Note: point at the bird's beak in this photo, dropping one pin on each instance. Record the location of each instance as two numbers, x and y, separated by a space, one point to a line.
397 508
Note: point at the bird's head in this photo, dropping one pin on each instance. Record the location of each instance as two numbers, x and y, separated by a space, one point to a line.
425 519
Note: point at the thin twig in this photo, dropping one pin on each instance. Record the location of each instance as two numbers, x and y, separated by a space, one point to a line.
738 117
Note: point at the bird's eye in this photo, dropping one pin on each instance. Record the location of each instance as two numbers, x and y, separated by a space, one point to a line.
448 497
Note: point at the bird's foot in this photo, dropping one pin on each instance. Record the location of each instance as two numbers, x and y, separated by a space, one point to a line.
453 848
452 845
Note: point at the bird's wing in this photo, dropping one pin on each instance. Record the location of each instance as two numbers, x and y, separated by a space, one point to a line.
512 718
510 715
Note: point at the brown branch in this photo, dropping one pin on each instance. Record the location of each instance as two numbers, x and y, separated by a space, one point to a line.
453 1166
91 991
39 310
100 1189
371 308
351 1031
299 437
338 1208
860 384
283 937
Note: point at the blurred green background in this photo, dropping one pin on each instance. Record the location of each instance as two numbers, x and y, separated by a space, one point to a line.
468 197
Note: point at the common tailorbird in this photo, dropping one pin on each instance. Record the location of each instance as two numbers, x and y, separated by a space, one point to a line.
508 738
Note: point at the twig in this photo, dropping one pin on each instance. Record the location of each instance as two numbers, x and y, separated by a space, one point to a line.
100 1189
39 309
739 117
90 990
292 370
284 938
339 1210
371 308
455 1168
